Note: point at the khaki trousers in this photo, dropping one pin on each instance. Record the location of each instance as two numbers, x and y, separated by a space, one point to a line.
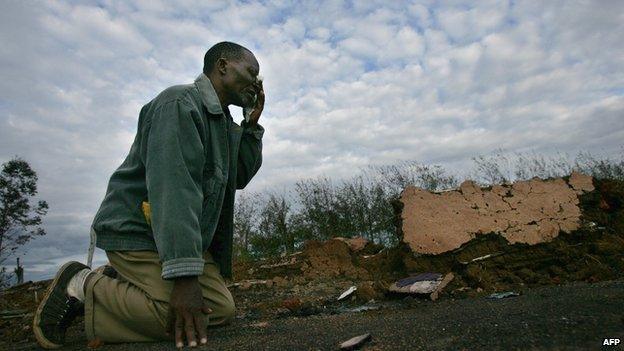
134 307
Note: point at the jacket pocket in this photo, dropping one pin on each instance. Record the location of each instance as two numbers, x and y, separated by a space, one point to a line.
213 196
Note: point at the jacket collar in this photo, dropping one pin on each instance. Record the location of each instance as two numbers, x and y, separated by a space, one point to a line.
208 94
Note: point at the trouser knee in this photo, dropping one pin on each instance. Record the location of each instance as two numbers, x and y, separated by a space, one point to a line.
223 313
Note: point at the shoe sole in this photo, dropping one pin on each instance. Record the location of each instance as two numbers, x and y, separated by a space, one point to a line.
41 339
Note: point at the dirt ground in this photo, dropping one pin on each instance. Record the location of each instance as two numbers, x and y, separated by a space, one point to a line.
574 316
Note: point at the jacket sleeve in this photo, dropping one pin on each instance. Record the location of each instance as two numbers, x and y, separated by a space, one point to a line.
173 155
250 154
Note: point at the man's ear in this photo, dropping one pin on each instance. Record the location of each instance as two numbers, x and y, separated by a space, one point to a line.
221 65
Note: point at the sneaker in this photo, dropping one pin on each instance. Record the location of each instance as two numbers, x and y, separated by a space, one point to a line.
57 310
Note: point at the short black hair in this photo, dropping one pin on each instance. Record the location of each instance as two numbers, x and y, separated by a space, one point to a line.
225 49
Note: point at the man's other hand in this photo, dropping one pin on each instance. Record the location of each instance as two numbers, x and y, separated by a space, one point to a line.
186 313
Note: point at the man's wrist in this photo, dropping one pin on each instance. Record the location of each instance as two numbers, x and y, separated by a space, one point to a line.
185 280
182 267
254 129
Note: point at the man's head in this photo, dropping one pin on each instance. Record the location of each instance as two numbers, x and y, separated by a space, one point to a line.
233 71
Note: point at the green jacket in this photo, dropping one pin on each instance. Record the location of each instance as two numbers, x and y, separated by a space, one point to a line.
186 161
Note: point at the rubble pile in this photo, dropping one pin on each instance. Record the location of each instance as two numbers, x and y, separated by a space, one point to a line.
330 259
586 243
335 258
503 237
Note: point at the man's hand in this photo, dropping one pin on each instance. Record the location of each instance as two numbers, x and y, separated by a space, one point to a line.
186 312
258 107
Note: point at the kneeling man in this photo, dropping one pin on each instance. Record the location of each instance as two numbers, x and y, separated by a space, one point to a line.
166 220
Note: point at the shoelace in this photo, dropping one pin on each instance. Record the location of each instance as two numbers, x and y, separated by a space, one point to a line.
69 314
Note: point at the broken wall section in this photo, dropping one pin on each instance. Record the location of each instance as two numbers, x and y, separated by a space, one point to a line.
530 212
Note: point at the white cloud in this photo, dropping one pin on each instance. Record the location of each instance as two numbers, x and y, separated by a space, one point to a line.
472 20
347 85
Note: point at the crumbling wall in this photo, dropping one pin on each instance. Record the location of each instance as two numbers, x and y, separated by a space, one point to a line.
530 212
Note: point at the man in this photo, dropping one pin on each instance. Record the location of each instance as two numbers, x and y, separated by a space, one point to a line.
166 220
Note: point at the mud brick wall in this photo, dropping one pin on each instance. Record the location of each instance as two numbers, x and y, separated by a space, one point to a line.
531 212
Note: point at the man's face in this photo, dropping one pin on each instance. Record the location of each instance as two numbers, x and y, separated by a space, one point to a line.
240 80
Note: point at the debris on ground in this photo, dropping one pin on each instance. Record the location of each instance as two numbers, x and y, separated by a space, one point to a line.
355 342
263 324
362 308
292 304
503 295
347 293
246 284
7 313
429 284
481 258
370 290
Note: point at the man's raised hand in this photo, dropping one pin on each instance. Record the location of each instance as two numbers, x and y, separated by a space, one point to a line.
258 107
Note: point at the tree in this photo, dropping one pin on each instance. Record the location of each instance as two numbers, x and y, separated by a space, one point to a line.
395 178
274 222
317 198
245 217
20 220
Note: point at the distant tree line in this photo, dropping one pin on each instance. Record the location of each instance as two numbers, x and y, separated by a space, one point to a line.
277 222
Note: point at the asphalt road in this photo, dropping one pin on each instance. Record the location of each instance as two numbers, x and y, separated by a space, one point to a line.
576 316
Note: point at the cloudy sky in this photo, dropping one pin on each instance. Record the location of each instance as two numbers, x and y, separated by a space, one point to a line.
348 84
